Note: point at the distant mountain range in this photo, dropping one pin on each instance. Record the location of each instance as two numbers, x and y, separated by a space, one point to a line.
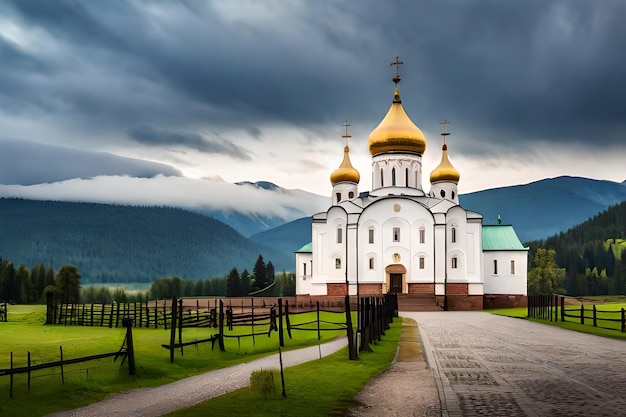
542 208
130 243
120 244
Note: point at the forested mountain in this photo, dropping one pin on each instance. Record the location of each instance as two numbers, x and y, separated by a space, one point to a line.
593 253
287 238
542 208
110 243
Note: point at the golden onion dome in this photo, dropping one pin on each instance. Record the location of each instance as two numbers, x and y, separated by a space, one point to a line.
396 132
346 171
445 171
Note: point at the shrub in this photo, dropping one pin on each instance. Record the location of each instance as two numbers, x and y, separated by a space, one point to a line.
262 382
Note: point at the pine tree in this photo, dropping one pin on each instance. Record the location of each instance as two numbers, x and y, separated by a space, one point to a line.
260 274
67 282
232 283
244 288
8 278
38 278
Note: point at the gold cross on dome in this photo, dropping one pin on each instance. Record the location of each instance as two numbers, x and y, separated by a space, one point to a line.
397 63
346 136
444 133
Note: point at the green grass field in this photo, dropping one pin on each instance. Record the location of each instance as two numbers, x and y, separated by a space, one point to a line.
605 328
320 388
92 381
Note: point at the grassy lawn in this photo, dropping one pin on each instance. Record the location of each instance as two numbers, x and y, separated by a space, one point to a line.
92 381
319 388
606 328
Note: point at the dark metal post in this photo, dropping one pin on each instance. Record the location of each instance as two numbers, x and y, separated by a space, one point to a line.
130 348
281 337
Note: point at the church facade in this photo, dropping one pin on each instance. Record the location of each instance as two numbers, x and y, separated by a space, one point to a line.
401 238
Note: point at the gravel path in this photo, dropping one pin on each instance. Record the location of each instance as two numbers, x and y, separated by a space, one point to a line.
184 393
487 365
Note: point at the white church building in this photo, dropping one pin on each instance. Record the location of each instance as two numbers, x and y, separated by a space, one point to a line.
401 238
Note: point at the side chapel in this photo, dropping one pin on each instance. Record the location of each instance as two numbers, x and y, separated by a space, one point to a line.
402 239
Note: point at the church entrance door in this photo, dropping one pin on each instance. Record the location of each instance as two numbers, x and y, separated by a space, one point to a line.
395 283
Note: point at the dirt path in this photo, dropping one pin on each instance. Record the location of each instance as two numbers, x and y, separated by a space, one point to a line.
407 389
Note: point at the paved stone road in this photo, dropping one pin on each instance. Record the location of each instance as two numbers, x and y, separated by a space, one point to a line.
487 365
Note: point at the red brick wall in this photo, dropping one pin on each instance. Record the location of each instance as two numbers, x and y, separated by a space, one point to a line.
456 289
462 302
504 301
421 288
370 289
336 289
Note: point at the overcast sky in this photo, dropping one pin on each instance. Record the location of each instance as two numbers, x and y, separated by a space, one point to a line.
258 90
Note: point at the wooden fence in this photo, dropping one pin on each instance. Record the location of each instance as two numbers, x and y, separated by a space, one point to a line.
554 307
374 313
126 351
154 314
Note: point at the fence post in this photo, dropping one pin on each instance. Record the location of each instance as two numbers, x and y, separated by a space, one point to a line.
29 371
61 364
595 323
221 326
287 320
173 329
130 349
556 307
180 324
623 320
319 336
582 314
281 336
11 378
352 351
562 308
111 315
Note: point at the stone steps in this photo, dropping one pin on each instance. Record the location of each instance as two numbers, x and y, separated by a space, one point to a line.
418 302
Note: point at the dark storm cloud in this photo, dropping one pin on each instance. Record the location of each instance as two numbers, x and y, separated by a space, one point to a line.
162 137
503 72
27 163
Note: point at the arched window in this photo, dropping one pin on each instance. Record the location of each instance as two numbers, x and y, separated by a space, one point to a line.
337 263
406 177
454 263
512 267
495 267
371 262
351 195
422 262
338 195
382 181
393 176
396 234
339 235
422 233
370 233
453 234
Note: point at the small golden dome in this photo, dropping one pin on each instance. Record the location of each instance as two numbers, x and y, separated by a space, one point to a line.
345 172
445 171
396 132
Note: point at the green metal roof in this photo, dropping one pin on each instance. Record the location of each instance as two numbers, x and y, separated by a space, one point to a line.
308 248
501 237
